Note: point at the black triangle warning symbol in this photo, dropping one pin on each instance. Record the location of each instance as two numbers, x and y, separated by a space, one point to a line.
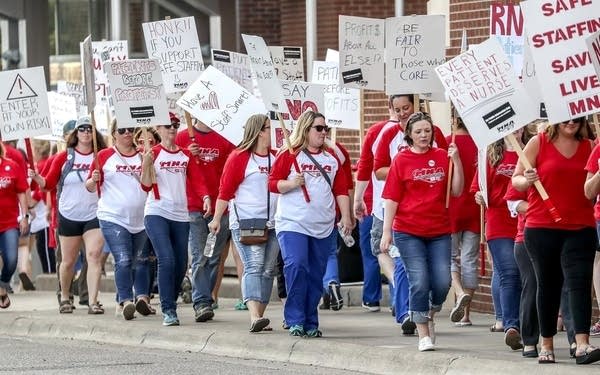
20 89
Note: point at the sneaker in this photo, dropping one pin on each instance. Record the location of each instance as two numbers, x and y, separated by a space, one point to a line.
215 305
170 319
142 307
128 310
458 311
512 338
408 326
204 313
314 333
336 302
595 329
240 305
371 306
325 304
186 290
431 326
297 330
425 344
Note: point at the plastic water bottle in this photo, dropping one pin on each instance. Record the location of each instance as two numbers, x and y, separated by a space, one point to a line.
348 239
394 251
209 248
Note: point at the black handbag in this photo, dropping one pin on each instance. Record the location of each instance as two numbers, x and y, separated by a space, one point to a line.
255 231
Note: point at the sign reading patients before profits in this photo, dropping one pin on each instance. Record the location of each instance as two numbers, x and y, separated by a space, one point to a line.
415 46
175 44
486 92
24 103
221 104
288 62
593 43
87 70
556 32
138 93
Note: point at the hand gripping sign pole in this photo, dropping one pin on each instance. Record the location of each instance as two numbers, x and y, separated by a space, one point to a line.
289 146
451 164
146 136
190 129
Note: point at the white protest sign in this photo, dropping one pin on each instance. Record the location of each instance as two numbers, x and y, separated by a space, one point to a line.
103 117
332 56
593 43
486 92
172 99
415 46
506 24
530 82
74 90
24 103
62 109
262 65
288 62
111 50
221 104
361 44
235 66
138 92
175 44
87 71
556 32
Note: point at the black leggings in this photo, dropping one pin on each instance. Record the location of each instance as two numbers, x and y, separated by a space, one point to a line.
46 253
557 256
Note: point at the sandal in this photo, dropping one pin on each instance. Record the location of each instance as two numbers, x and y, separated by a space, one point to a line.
493 328
546 356
66 307
96 309
259 324
4 302
590 354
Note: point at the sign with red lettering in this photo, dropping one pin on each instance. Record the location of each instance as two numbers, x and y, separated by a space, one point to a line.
557 30
486 92
593 43
110 50
506 24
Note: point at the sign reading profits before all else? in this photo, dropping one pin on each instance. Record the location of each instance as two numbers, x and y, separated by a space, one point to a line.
486 92
175 44
557 31
138 92
24 104
221 104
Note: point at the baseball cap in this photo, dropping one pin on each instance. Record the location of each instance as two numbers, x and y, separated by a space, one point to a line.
68 126
83 120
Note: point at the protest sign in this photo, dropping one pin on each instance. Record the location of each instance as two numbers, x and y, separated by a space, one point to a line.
506 24
556 32
262 65
87 71
221 104
24 103
288 62
530 82
332 56
76 91
415 46
172 99
486 92
175 44
361 44
62 109
235 66
138 92
593 43
112 50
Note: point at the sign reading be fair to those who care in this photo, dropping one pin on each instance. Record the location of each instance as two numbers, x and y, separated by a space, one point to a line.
557 31
221 104
175 44
24 104
486 93
415 46
138 92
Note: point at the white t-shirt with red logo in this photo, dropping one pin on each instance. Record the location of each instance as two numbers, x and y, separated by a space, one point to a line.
244 183
76 203
122 200
171 176
293 213
377 209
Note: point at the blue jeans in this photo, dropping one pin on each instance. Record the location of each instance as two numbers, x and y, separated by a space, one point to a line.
401 289
169 239
505 265
127 248
259 267
376 232
371 271
9 244
305 260
495 286
205 270
332 274
427 263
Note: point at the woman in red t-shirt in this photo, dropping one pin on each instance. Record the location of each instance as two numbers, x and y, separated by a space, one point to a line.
13 185
564 250
415 193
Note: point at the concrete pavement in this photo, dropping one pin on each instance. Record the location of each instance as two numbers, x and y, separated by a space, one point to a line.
353 338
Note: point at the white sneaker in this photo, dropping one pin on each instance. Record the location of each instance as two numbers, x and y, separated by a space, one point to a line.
431 326
425 344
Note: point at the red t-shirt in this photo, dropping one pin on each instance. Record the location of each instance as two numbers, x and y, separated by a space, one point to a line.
464 212
417 182
513 194
365 162
12 153
214 150
592 167
499 223
43 171
563 178
13 181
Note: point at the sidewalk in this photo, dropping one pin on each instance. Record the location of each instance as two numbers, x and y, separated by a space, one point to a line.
353 339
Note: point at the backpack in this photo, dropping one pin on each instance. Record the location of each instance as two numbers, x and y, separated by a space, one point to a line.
67 168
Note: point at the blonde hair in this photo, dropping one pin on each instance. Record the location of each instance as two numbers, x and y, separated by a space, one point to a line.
254 125
299 137
581 134
495 152
41 148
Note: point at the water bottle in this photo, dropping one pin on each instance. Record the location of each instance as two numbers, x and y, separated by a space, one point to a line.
393 251
348 239
209 248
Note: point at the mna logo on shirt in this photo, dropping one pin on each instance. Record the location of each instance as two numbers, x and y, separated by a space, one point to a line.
208 154
429 175
506 170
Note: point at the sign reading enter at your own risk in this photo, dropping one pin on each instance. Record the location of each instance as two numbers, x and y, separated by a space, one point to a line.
24 104
175 44
221 104
484 89
138 93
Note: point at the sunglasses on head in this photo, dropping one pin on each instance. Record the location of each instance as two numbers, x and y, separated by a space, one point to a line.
175 125
320 128
85 128
123 130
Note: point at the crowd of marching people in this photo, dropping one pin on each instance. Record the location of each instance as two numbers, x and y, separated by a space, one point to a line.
166 202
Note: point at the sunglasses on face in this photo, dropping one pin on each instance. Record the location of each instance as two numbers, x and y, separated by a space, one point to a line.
320 128
85 128
123 130
175 125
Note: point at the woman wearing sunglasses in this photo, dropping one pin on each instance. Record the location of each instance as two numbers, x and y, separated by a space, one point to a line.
121 216
77 207
305 229
166 215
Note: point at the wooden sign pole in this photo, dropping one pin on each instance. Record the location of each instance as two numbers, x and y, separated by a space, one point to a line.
95 145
